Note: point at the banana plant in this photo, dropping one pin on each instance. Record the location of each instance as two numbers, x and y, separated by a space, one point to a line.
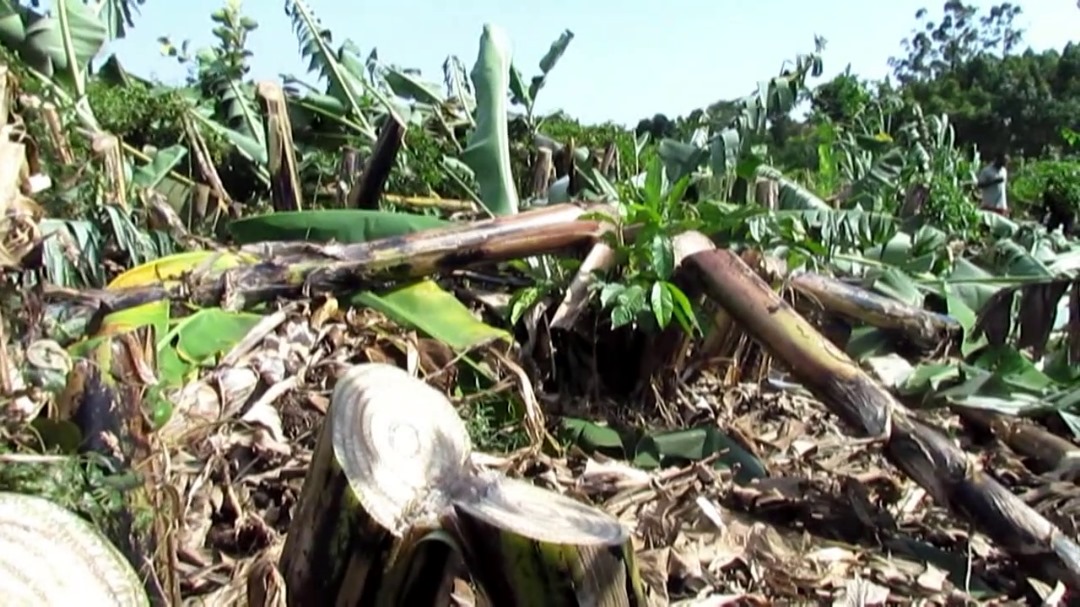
117 15
721 151
222 70
526 95
778 95
458 90
57 47
358 94
349 95
488 153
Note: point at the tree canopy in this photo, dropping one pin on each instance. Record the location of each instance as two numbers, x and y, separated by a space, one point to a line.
970 64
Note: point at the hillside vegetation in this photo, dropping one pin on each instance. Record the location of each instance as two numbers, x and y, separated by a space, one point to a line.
368 336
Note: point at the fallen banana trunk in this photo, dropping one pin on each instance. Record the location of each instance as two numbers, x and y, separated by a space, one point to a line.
920 450
50 556
288 269
391 501
1046 450
923 328
664 361
600 259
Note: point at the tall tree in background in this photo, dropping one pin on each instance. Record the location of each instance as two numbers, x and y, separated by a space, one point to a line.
841 98
936 48
965 64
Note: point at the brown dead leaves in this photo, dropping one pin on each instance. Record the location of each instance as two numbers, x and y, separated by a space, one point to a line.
831 522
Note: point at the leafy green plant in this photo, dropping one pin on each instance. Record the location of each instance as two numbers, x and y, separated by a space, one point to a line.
525 95
548 274
646 294
488 153
563 128
1032 178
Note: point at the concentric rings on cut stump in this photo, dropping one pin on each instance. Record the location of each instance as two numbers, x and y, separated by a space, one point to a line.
50 556
398 440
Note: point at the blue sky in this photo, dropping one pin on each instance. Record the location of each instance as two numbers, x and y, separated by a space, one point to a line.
629 58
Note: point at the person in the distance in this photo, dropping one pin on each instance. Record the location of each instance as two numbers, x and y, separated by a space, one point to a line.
992 180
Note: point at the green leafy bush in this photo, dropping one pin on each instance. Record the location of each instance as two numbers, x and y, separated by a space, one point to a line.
1034 176
563 128
142 115
422 174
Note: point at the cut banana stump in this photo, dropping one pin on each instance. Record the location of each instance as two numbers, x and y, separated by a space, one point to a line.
391 503
528 546
50 556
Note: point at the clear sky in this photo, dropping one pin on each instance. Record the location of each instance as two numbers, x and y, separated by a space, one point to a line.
629 58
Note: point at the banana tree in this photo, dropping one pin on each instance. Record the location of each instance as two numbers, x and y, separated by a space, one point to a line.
721 151
56 48
359 95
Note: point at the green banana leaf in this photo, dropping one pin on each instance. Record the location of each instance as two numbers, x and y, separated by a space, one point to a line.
426 307
339 225
488 152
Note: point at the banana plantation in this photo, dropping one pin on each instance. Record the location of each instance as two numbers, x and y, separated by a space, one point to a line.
658 366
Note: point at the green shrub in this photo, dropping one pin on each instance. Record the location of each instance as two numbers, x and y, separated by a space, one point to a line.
562 128
1031 178
143 115
422 174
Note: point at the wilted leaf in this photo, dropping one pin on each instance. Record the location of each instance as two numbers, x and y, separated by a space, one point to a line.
427 307
592 437
161 162
155 314
173 266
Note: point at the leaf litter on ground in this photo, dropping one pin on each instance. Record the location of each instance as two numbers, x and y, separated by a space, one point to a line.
737 493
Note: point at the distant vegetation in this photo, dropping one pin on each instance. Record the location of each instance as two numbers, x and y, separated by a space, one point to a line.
149 228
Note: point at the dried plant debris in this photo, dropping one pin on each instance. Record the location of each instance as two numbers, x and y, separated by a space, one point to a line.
614 391
754 496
